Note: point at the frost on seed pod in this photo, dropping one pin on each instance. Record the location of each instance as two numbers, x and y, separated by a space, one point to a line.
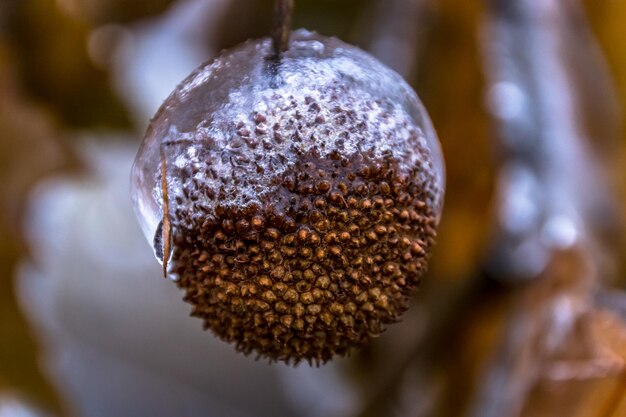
300 197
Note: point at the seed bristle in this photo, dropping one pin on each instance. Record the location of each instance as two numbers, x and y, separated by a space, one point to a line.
293 304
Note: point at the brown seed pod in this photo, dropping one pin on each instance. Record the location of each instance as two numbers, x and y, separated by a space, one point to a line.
301 195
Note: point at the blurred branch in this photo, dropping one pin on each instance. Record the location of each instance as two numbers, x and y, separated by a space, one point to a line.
553 202
551 192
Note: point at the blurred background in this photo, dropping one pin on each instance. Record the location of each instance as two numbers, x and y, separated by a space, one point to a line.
522 313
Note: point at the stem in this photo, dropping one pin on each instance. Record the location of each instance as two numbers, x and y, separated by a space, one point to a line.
282 25
166 234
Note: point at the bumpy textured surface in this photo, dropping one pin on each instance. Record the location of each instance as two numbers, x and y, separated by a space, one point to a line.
303 196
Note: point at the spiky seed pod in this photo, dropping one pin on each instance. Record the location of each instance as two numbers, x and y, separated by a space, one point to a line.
300 197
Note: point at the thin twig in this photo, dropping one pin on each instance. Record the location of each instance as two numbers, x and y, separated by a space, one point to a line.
282 25
166 234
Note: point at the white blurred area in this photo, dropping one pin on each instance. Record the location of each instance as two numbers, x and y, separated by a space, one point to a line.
11 406
152 57
115 336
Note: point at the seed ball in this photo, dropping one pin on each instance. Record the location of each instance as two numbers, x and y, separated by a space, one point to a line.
300 196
